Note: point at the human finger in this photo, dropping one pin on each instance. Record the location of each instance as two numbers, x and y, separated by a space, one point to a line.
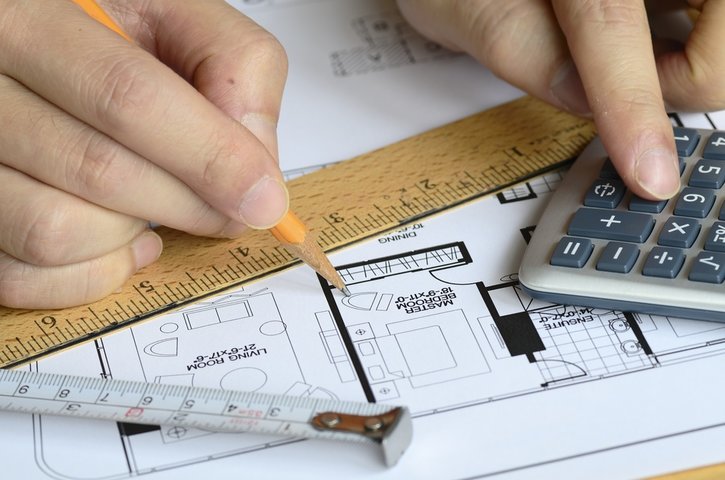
76 158
518 40
231 60
611 46
128 94
24 285
692 76
41 225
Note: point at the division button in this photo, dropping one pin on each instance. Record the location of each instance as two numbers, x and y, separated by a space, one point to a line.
663 262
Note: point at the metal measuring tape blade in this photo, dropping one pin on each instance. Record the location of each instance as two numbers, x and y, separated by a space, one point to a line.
208 409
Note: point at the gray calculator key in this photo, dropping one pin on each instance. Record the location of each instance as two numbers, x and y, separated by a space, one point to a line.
637 204
605 193
715 146
572 252
611 225
715 240
663 262
618 257
708 267
608 170
708 174
694 202
679 232
686 140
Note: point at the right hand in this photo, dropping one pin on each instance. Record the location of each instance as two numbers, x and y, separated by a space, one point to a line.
100 136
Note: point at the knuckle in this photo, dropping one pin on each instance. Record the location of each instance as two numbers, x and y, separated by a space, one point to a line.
15 292
127 90
706 80
492 33
267 48
44 239
605 14
97 172
631 99
221 156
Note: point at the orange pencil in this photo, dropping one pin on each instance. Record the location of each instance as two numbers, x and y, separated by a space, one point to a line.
290 231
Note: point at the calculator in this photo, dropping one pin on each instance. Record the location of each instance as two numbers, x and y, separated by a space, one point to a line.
599 245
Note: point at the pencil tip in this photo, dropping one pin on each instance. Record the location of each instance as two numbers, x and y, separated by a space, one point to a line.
345 291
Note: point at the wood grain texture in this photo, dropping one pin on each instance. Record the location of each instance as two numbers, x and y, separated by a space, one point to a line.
340 204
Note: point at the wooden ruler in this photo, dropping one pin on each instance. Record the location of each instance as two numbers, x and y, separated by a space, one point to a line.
342 204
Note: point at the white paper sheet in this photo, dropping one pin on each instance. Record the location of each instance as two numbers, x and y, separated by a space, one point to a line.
585 394
499 385
360 78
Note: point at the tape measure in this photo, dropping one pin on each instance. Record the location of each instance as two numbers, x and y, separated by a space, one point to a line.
342 204
208 409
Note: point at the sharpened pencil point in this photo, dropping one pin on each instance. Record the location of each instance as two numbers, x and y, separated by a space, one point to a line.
345 291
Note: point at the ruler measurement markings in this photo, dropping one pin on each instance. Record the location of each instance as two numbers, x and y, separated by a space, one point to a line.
522 159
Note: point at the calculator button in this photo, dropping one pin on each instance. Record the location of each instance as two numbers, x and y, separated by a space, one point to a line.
715 240
708 267
637 204
611 225
694 202
686 140
679 232
663 262
572 252
608 170
605 193
708 174
715 146
618 257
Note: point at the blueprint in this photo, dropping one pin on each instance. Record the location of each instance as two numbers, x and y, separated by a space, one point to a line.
499 385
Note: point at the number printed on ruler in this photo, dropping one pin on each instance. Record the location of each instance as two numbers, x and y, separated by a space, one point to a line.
344 203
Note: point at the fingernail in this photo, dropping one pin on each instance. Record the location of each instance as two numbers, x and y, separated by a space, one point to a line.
264 128
146 249
264 204
657 172
568 90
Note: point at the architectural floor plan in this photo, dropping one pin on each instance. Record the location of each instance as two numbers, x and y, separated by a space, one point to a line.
436 322
499 385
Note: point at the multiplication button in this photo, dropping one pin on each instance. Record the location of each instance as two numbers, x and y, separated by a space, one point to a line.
679 232
572 252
